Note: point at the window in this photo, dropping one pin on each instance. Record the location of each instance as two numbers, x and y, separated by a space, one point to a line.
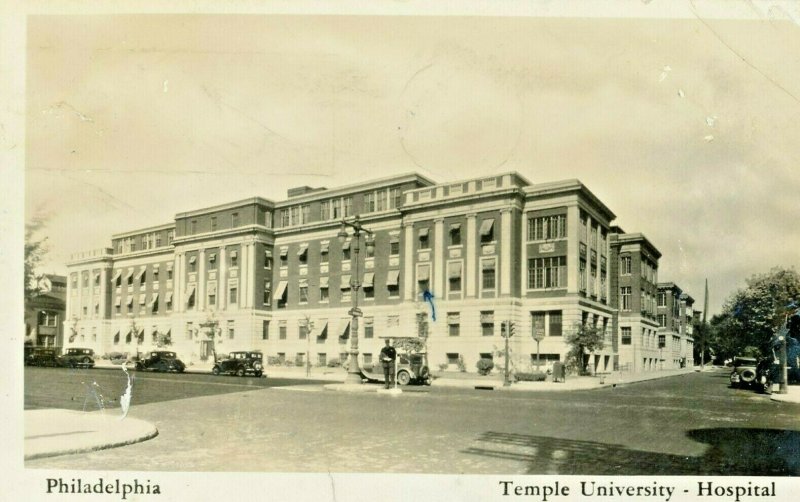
556 323
97 279
625 297
393 283
626 335
322 359
625 265
324 293
381 203
336 208
346 249
547 272
662 299
453 357
303 290
662 320
369 327
547 227
487 274
192 263
155 275
193 227
234 220
142 277
169 272
323 252
368 285
454 276
213 223
170 236
487 231
582 275
348 206
168 300
422 239
394 246
369 203
537 323
302 330
154 303
282 330
234 258
455 234
305 213
453 323
231 329
268 259
191 300
158 240
423 278
487 322
267 293
324 210
395 199
233 295
284 218
212 293
302 254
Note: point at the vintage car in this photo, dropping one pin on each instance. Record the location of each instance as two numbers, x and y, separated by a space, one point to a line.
240 363
160 360
76 357
41 356
744 372
412 368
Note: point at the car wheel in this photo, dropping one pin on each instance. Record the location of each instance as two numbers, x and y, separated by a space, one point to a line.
240 372
139 367
403 378
215 370
258 374
87 361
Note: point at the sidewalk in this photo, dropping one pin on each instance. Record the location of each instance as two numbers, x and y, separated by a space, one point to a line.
49 433
793 395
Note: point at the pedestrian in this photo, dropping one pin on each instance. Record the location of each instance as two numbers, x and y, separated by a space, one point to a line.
388 356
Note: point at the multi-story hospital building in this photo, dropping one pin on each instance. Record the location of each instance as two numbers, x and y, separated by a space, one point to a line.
257 274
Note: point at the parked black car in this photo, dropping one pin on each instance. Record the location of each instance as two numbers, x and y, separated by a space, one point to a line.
744 372
160 360
41 356
76 357
240 363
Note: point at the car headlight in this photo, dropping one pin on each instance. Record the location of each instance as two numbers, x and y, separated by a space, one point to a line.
257 366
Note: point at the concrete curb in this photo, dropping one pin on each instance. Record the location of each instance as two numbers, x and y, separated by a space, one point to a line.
54 432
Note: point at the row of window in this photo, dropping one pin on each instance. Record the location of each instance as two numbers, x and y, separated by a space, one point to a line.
648 337
341 207
147 241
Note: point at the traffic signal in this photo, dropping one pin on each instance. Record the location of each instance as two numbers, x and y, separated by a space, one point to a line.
503 329
511 328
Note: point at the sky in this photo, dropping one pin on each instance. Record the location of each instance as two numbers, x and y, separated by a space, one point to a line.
687 129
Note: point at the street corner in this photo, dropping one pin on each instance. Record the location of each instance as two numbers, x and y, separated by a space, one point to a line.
54 432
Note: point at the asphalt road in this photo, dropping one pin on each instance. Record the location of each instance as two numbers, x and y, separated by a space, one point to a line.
687 425
92 389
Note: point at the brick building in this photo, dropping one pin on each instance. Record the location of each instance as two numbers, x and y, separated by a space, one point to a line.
257 274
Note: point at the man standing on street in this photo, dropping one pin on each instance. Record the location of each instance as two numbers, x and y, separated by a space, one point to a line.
388 356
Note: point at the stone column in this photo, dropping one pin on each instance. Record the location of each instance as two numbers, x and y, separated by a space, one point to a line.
408 275
251 274
222 287
505 251
523 255
470 274
79 312
573 242
103 292
439 260
201 279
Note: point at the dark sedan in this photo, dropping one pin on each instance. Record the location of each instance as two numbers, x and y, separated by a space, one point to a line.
160 360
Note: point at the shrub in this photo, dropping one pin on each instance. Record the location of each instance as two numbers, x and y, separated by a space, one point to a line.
273 361
485 366
444 366
460 363
334 363
536 376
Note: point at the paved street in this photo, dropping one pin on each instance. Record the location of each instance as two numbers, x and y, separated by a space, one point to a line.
91 389
690 424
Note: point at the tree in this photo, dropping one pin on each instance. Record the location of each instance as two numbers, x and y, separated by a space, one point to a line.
35 249
702 335
410 345
751 315
583 340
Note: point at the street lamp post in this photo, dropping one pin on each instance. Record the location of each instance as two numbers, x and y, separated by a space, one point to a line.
353 371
